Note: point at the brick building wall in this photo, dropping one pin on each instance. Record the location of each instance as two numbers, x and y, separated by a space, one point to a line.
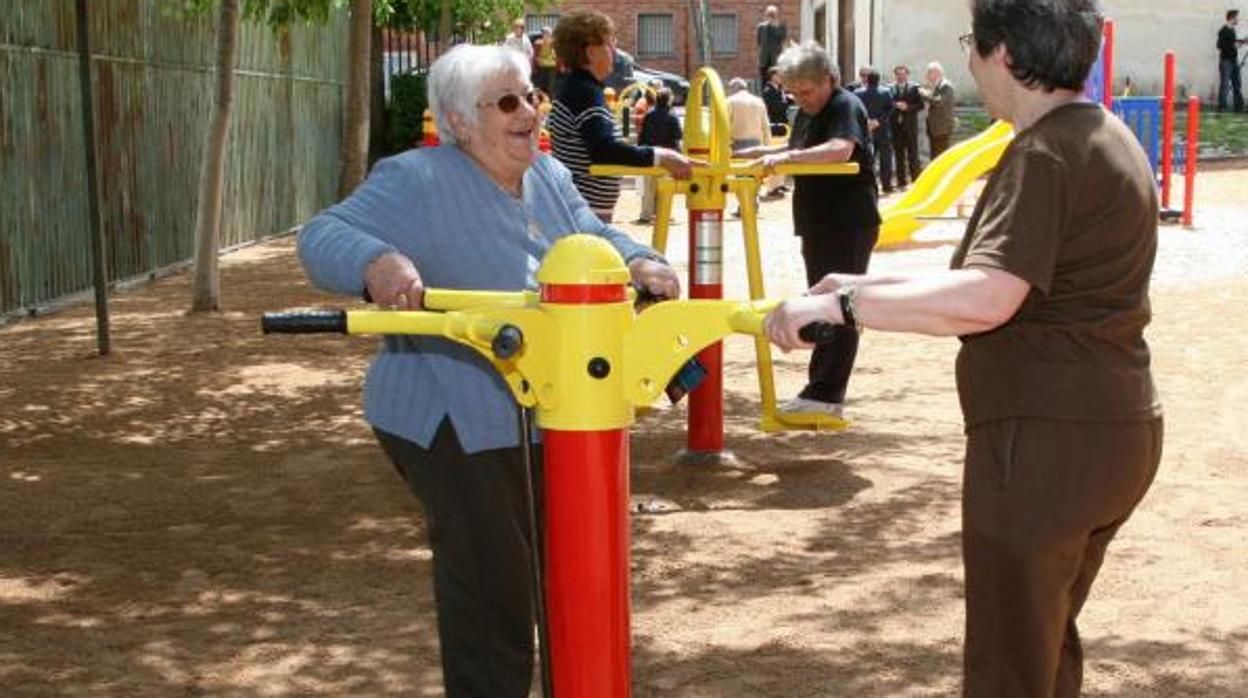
681 55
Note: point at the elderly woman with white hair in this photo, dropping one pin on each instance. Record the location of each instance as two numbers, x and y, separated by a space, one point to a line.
478 213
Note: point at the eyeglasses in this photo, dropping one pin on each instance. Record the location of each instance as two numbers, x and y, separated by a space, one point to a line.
967 40
510 102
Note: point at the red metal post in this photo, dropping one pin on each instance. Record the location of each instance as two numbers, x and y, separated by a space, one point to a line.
706 402
586 488
1189 167
1167 132
585 483
1108 96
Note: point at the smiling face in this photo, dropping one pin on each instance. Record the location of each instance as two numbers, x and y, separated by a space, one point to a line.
504 144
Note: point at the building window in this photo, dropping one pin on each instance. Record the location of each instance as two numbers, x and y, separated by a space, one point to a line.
724 34
656 35
533 23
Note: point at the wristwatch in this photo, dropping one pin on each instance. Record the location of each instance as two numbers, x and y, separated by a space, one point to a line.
847 298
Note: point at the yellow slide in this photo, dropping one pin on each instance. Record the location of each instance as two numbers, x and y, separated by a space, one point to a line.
942 182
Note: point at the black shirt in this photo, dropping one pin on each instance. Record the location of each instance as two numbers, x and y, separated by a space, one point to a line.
836 203
660 127
1226 43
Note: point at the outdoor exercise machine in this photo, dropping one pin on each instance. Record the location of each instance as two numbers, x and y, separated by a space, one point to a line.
576 351
708 138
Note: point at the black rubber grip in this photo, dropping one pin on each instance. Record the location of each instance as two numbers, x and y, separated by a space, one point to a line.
507 342
304 322
817 332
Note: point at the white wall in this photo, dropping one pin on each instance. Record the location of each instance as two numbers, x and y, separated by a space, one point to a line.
916 32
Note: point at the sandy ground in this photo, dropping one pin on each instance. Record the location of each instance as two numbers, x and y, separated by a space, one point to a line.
203 512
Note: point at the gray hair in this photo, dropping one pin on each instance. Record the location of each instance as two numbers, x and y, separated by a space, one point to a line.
457 78
736 85
807 62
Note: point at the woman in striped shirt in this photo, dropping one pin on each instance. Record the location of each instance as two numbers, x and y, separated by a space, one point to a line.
582 129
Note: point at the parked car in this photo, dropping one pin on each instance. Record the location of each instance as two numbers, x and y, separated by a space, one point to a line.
678 85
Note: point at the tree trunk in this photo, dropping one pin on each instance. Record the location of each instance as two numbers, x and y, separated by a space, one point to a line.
206 282
377 118
355 135
446 26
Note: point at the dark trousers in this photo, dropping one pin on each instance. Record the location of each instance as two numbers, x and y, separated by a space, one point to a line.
882 141
1229 85
906 152
1041 501
476 512
544 78
846 252
939 143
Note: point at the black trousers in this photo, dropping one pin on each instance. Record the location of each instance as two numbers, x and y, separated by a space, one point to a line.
939 143
906 153
882 141
1041 501
846 252
476 511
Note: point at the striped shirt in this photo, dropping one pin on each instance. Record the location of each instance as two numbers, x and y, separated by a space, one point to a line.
462 231
584 132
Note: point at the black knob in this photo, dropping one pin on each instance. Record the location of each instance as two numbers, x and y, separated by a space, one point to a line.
817 332
599 367
507 342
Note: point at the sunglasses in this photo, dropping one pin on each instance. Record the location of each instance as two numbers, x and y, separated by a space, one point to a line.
967 40
510 102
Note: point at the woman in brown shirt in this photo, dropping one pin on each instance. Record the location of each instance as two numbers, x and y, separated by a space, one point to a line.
1048 292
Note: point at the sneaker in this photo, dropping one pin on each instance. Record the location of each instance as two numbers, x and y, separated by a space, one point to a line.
800 405
643 220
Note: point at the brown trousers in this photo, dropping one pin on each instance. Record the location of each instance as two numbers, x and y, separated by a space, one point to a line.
1041 501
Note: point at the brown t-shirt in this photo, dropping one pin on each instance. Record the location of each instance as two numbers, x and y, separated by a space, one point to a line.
1072 210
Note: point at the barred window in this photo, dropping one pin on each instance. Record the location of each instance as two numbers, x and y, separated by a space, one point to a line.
724 34
533 23
656 35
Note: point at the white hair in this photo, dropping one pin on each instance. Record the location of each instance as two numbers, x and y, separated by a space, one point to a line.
936 67
458 77
807 62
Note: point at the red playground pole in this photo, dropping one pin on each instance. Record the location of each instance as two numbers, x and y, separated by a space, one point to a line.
585 480
1189 165
706 272
1167 132
1108 93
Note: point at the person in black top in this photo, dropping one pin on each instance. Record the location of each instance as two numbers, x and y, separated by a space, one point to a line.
582 128
660 128
835 215
1228 63
879 103
907 104
777 102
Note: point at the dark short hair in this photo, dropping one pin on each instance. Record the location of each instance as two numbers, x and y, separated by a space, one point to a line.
576 32
1052 44
903 66
873 77
1231 14
663 98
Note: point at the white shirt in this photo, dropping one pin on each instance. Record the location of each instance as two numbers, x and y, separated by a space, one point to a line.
748 116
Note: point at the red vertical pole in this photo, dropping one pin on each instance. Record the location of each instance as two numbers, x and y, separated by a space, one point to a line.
1108 96
585 483
706 402
1167 132
1189 168
586 488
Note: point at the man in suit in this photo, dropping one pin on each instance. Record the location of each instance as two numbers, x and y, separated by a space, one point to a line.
771 36
939 95
907 105
879 104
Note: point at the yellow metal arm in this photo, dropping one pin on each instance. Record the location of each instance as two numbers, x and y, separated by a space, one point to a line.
733 170
666 335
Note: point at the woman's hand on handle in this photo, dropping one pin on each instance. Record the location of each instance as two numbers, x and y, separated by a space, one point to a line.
393 283
784 324
658 279
675 162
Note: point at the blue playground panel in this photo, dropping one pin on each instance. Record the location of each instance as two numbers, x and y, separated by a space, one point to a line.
1143 116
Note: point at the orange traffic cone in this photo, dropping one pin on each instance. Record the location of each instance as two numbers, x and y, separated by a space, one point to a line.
430 130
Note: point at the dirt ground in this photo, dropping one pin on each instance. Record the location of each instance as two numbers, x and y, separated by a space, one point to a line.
204 513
